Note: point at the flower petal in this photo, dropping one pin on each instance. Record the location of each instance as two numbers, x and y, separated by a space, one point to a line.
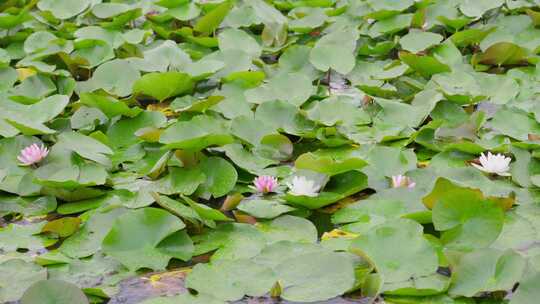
479 167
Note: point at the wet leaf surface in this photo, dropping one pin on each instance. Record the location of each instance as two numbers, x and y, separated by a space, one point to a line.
269 151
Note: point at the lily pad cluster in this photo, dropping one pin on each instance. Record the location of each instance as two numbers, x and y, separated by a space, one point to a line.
301 150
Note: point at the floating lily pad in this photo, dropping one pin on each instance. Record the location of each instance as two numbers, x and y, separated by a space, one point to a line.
201 132
415 42
17 276
417 258
299 268
152 114
262 208
288 227
486 270
334 51
53 291
339 187
467 218
327 164
158 239
64 9
163 85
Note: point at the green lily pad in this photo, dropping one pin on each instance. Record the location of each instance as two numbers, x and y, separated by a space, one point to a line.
202 131
335 51
386 8
239 40
276 147
415 42
108 105
390 25
17 275
503 53
363 215
122 133
294 88
31 119
86 147
28 206
13 237
185 298
278 263
515 123
220 176
232 241
107 10
285 116
157 113
158 239
230 280
423 64
247 160
526 291
288 227
62 227
338 111
95 275
413 261
339 187
179 209
478 8
328 164
206 212
307 272
422 286
106 77
63 9
211 21
467 218
486 270
53 292
250 130
263 208
87 240
163 85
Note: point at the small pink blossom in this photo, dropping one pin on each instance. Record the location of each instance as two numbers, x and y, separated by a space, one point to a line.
32 154
265 183
402 181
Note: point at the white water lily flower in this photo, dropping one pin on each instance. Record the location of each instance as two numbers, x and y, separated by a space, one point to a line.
402 181
300 185
494 164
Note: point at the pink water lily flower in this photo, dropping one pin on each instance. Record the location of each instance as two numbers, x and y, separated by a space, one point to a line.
265 183
32 154
402 181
